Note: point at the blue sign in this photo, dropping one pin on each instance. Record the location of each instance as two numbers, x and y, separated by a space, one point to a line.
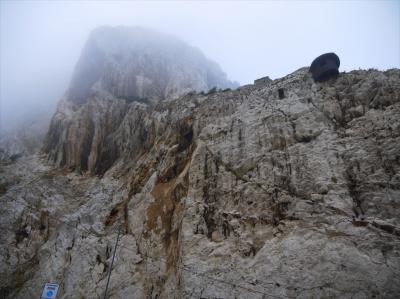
50 291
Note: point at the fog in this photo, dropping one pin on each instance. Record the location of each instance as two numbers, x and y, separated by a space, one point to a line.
41 41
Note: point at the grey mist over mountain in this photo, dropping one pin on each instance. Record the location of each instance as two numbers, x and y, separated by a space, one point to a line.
128 63
41 41
135 63
280 188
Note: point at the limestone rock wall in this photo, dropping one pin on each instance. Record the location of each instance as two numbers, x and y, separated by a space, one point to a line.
235 194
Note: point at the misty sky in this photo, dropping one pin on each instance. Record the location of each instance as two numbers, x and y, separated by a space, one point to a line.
41 41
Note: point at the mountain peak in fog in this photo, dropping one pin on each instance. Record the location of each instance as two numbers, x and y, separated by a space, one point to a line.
137 63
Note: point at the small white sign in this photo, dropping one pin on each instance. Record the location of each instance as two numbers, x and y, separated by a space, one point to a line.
50 291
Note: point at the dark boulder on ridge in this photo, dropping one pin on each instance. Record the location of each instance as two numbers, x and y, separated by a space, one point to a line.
325 67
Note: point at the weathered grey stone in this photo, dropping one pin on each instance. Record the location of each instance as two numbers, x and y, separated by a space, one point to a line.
232 194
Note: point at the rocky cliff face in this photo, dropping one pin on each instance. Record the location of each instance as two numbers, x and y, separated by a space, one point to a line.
120 68
288 188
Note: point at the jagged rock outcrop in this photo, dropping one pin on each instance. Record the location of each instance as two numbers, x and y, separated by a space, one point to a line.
121 67
288 188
